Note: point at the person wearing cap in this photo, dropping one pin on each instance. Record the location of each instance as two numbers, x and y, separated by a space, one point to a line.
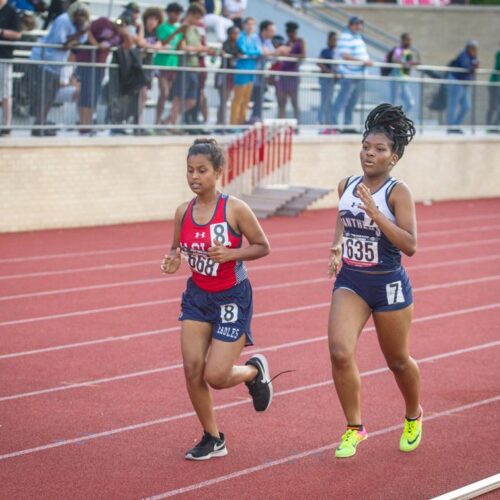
351 48
459 100
68 30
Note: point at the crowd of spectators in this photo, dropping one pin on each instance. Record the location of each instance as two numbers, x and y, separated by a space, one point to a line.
138 39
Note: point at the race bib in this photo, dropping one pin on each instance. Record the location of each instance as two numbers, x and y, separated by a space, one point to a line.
360 252
200 262
219 234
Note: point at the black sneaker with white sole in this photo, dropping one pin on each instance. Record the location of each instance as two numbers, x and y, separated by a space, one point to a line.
260 388
208 447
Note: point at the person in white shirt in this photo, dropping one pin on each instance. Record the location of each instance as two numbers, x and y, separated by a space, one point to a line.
352 48
235 10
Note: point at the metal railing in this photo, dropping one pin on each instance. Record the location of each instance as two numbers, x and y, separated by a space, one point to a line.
51 96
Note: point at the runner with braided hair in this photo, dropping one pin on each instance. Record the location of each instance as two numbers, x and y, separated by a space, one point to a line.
375 223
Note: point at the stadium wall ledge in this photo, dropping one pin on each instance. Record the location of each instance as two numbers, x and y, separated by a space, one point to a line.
63 182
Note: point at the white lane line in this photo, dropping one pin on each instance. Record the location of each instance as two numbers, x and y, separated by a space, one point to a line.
472 490
314 451
121 338
150 281
135 305
274 250
272 348
458 220
182 416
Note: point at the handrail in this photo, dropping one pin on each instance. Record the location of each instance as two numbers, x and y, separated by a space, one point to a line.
264 72
315 60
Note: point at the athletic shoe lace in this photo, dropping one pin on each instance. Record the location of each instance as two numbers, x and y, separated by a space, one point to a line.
348 438
411 428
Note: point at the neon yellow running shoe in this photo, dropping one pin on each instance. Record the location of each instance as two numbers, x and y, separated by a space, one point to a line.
412 434
349 442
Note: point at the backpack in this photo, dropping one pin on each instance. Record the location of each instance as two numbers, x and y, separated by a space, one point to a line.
388 59
438 101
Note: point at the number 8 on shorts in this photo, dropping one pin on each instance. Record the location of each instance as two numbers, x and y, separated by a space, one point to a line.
229 313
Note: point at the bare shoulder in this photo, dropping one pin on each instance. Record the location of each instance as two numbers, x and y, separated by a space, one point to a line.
181 210
237 206
401 192
342 185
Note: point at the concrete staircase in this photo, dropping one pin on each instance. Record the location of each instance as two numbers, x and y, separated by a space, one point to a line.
266 201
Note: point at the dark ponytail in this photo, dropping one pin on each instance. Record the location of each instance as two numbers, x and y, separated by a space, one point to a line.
211 149
393 123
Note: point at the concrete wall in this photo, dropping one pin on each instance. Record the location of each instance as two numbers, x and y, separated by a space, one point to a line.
439 32
55 182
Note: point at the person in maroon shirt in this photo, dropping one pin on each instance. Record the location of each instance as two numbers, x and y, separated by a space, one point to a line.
103 35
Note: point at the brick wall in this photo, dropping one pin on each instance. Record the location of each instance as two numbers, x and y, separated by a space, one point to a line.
56 182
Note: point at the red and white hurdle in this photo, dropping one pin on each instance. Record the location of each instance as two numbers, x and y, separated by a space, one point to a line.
261 156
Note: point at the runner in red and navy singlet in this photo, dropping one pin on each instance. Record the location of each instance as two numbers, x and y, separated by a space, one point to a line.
216 307
197 238
375 224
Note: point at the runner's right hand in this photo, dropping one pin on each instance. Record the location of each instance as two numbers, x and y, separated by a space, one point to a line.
171 263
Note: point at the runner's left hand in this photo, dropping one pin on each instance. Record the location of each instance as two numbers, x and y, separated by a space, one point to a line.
219 253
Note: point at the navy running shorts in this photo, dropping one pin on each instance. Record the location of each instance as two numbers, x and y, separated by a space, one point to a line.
229 312
382 292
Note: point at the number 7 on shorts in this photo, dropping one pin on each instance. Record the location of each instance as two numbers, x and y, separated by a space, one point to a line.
394 292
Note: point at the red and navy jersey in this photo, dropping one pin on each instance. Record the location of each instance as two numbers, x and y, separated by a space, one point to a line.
197 238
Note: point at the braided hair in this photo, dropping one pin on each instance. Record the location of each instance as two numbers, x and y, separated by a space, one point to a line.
393 123
211 149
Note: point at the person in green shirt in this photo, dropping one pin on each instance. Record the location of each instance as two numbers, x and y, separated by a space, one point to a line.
168 34
493 116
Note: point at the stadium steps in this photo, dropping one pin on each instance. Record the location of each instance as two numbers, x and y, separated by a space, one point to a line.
266 201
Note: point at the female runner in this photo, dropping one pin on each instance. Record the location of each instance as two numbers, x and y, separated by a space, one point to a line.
375 223
216 307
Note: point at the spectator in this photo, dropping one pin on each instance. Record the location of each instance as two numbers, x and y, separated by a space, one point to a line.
165 34
135 27
103 34
151 20
351 48
224 82
185 88
404 55
326 83
215 19
235 10
459 101
69 29
267 31
493 116
127 80
10 30
249 46
288 86
56 8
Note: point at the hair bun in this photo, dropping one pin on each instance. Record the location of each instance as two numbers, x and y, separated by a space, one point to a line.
391 121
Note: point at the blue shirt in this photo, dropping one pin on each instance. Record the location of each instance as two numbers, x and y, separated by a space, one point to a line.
251 47
59 32
328 53
465 61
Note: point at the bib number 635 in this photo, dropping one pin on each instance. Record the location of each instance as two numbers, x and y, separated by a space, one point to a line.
362 251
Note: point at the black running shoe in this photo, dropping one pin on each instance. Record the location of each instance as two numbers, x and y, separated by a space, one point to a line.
260 388
208 447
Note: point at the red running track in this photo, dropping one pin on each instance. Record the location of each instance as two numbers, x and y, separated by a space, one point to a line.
92 399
